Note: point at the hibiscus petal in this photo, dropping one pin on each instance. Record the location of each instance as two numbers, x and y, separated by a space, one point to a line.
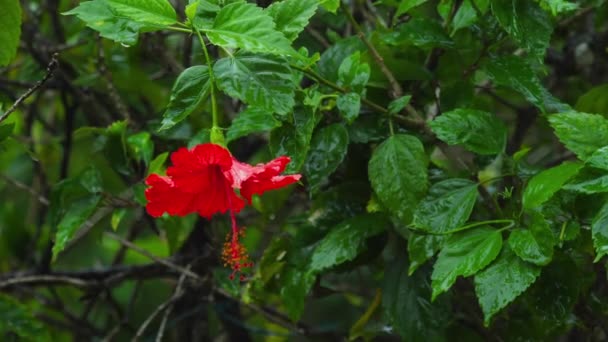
241 172
190 167
187 162
257 186
217 196
196 183
163 196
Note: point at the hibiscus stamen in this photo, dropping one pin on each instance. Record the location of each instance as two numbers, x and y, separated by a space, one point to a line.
234 253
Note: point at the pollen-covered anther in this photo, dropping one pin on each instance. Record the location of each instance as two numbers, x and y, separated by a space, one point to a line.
234 255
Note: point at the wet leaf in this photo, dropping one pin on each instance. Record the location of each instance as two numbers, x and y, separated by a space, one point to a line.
534 244
346 240
478 131
572 129
447 206
190 88
502 282
543 185
328 148
398 174
464 254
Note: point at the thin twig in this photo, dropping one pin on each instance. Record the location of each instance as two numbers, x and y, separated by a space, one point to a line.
166 305
313 75
272 316
106 76
178 293
86 278
22 186
50 70
396 90
318 36
46 279
142 251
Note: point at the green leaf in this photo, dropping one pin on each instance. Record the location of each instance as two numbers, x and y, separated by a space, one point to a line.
349 105
502 282
156 165
101 17
592 186
467 14
6 130
353 74
398 104
296 284
330 5
594 101
17 320
122 20
142 146
293 139
421 32
599 232
75 216
406 5
91 181
398 174
407 306
572 129
543 185
526 23
598 159
10 30
71 189
202 13
535 244
346 240
248 27
251 120
478 131
263 81
151 12
447 206
291 16
117 216
558 288
559 6
190 88
517 74
333 56
464 254
328 148
422 247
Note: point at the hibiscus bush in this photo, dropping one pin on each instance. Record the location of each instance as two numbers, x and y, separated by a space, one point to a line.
310 170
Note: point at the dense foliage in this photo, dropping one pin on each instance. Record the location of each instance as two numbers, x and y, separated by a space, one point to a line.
453 158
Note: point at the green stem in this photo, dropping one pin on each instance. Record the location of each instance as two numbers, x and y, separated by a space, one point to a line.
214 115
320 79
179 29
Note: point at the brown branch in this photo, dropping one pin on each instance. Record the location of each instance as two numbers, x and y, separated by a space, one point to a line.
176 296
106 75
396 90
143 252
167 305
271 315
50 70
42 199
86 278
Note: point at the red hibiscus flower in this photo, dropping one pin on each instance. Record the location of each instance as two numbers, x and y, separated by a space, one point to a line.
203 180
